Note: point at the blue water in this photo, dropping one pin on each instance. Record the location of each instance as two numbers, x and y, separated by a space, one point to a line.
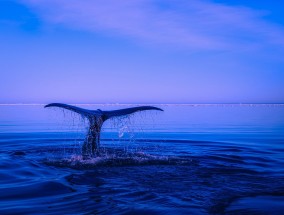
189 159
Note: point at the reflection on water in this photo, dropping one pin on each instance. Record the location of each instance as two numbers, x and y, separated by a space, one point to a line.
222 159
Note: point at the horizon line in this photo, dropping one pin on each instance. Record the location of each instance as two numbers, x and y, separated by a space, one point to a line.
163 104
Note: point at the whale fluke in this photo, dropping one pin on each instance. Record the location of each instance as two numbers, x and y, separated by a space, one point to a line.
84 112
96 119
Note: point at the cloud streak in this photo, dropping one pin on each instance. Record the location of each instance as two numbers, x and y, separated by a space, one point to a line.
193 24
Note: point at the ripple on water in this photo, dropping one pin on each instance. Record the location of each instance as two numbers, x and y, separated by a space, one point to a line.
260 205
34 190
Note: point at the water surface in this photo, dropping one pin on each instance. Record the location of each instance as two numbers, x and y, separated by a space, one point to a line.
189 159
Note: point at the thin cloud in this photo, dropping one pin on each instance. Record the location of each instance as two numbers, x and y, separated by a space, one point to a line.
193 24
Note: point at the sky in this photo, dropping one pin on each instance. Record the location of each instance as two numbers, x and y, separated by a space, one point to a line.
141 51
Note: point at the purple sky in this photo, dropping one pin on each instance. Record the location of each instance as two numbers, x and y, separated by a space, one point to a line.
141 51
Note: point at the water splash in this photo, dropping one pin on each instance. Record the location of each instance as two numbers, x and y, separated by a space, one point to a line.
117 158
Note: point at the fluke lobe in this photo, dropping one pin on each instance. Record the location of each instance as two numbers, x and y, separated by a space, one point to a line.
96 119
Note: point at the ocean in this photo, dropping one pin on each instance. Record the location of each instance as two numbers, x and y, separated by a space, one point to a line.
189 159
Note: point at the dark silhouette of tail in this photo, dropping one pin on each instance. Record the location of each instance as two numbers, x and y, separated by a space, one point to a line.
96 119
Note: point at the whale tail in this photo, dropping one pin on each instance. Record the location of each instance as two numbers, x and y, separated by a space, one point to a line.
96 119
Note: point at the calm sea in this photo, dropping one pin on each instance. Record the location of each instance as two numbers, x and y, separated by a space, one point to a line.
189 159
